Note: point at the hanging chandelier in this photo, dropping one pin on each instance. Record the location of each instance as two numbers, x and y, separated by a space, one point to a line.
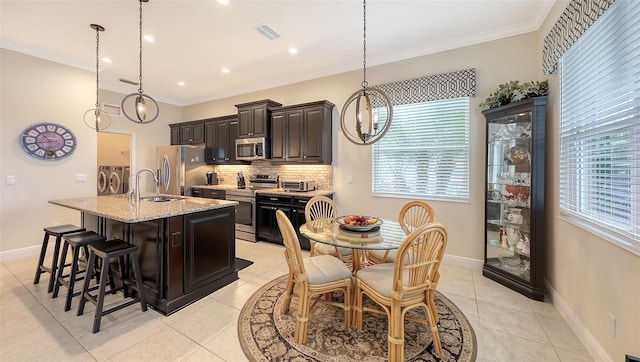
95 118
141 104
369 125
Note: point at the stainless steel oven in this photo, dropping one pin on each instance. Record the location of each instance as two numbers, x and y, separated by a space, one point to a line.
245 213
246 224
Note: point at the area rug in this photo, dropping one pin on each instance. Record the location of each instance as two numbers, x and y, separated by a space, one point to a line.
266 335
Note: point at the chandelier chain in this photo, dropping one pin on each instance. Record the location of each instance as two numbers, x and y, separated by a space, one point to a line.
97 65
364 45
140 76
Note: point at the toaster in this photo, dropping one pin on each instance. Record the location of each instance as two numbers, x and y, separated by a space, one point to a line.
299 185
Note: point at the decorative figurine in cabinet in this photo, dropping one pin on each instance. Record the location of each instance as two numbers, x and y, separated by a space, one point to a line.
514 189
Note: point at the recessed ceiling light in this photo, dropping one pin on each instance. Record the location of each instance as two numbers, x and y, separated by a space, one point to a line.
293 50
107 60
223 2
225 70
181 84
149 38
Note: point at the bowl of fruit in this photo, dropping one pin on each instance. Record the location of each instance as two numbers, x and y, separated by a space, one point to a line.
358 222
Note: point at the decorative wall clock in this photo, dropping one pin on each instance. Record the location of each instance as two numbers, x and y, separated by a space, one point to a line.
48 141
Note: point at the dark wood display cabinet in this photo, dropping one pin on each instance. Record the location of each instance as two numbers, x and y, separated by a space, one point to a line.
187 133
302 133
254 118
220 136
514 190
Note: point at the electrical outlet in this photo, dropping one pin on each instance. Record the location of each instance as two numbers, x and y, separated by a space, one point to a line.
81 178
350 179
612 324
11 180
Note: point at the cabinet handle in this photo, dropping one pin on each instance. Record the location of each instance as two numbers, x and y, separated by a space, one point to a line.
273 198
274 208
226 158
304 156
303 201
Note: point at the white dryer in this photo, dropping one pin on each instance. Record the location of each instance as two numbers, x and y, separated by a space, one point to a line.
103 180
116 181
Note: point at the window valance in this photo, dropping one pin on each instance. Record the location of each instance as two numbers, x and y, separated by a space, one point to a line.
574 21
456 84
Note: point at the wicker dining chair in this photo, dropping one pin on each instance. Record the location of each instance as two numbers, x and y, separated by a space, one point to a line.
314 277
412 215
322 207
399 287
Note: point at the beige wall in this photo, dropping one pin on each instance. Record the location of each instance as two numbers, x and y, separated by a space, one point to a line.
114 149
591 277
35 90
495 62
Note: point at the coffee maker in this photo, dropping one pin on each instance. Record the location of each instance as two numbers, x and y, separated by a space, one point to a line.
212 178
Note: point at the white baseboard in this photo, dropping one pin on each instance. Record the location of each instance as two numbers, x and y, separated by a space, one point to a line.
22 253
588 341
461 261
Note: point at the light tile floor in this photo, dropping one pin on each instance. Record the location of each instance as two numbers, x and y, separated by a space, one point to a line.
33 326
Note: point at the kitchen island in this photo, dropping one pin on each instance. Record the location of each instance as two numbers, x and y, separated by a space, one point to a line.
186 245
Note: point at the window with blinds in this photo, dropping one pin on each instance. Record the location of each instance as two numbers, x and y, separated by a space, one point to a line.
600 125
425 153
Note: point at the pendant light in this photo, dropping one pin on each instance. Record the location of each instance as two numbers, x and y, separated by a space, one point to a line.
365 99
95 118
141 104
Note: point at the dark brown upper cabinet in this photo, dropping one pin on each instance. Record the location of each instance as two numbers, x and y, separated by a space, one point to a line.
302 133
187 133
254 118
220 137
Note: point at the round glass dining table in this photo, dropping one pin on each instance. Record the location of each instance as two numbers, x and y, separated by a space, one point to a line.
386 236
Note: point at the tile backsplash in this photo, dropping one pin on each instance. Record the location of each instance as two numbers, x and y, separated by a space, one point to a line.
321 174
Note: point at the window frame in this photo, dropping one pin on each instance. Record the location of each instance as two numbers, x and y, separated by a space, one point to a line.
591 219
435 194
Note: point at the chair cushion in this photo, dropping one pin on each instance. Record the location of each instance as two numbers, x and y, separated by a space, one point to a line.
379 277
379 254
330 249
325 268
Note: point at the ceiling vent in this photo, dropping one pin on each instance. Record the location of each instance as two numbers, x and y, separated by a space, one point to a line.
267 32
128 81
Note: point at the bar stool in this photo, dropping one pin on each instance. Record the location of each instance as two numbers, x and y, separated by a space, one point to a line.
58 232
76 242
106 251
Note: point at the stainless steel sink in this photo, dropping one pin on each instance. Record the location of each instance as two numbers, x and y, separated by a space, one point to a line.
162 198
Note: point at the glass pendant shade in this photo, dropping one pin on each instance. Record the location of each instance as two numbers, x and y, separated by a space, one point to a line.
141 108
96 118
137 102
373 110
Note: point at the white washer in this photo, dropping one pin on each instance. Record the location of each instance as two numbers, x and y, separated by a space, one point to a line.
103 180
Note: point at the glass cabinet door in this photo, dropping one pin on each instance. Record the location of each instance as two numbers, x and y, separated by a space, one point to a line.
508 196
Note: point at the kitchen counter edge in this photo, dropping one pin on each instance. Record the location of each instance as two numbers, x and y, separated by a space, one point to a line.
118 207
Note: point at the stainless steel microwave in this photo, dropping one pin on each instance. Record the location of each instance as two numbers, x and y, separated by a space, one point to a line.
248 149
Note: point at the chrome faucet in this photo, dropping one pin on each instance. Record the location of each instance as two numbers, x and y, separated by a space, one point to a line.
136 190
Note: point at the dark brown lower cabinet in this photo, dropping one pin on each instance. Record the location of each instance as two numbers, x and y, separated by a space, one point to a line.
182 258
209 254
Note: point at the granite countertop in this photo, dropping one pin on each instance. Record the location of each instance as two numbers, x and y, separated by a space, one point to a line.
216 187
274 191
118 207
279 191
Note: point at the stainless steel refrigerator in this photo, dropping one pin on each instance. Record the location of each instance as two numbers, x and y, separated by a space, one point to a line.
180 168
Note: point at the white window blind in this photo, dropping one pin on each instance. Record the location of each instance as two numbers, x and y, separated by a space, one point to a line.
425 153
600 124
